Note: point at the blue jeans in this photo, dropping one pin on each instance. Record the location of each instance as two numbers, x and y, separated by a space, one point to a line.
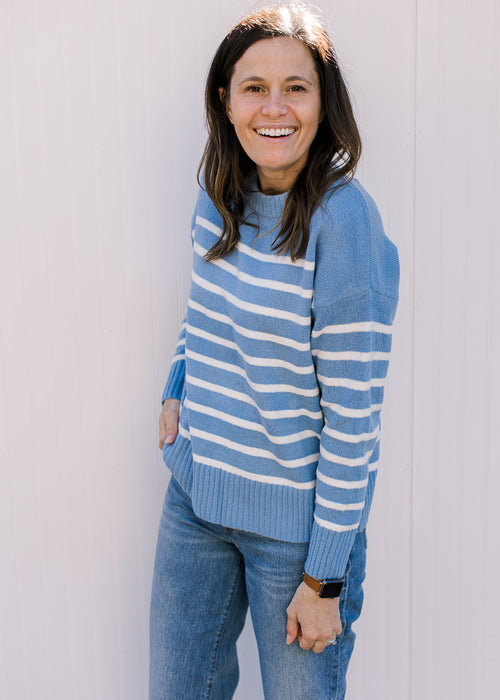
205 578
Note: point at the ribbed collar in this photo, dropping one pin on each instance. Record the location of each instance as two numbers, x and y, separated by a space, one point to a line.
265 204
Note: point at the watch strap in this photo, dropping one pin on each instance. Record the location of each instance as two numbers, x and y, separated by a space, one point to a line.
325 588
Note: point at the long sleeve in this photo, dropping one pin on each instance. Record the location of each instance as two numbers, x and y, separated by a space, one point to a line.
177 375
355 299
176 378
351 341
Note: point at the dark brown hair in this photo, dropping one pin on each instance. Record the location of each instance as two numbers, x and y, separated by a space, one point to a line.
334 152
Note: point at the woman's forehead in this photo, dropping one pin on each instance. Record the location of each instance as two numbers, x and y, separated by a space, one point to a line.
283 56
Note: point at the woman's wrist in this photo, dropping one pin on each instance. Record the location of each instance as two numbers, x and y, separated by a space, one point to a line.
325 588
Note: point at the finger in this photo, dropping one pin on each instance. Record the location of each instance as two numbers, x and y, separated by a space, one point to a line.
292 629
172 420
305 642
162 431
318 647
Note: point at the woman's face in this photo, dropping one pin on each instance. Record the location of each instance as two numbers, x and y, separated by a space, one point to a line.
274 104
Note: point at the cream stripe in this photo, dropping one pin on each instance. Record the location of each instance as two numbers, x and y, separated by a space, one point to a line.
359 327
176 358
262 388
276 480
240 396
333 526
347 383
373 466
184 433
346 461
352 412
338 506
264 257
340 483
247 332
247 306
347 437
250 425
255 281
351 355
273 259
208 225
254 451
250 359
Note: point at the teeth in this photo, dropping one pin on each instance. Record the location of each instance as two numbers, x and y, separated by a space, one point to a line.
275 132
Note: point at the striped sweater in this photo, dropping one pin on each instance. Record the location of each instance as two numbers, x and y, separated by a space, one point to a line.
280 369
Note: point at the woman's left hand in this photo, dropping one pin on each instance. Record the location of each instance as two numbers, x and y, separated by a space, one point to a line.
312 620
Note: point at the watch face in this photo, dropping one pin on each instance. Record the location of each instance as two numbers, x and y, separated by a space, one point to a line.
331 589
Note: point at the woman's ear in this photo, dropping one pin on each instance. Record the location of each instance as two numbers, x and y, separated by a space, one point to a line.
222 96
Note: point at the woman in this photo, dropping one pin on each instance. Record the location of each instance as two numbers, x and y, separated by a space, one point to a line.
278 377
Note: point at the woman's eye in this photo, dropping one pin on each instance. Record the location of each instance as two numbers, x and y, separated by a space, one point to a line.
253 88
297 88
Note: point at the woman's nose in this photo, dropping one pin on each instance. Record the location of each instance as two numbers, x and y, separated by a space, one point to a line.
274 105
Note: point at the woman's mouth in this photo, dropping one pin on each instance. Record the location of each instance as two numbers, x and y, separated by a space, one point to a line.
276 133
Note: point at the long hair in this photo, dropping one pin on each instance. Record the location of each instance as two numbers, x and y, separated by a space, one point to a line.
333 154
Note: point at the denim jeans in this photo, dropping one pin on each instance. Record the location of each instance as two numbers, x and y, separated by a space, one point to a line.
205 578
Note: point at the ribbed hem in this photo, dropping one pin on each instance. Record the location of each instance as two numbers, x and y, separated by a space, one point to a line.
179 459
368 499
175 382
328 552
279 512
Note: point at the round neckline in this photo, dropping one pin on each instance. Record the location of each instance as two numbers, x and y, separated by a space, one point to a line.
266 204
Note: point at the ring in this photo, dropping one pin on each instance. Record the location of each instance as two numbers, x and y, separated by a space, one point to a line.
332 641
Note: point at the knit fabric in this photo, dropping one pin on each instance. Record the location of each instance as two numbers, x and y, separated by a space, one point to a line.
280 368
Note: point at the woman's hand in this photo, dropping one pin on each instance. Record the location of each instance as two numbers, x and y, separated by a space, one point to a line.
169 419
312 620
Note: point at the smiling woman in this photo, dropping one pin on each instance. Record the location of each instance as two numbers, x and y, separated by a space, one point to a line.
271 413
333 153
274 104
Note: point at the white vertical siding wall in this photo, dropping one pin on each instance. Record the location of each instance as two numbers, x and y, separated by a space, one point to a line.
101 131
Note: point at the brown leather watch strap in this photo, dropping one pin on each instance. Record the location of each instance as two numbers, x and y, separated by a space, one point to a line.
314 583
325 588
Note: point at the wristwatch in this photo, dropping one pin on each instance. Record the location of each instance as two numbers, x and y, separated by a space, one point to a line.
325 588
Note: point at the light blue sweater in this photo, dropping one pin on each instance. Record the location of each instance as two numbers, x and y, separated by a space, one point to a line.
280 368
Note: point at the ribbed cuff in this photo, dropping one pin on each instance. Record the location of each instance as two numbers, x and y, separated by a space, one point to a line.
175 381
328 552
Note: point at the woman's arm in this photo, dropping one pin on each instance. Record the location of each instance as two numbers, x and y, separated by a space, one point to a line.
351 342
356 291
172 393
169 416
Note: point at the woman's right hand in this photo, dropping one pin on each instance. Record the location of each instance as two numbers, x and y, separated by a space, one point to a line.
168 421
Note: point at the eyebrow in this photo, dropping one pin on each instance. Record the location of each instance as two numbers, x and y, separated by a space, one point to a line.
291 78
